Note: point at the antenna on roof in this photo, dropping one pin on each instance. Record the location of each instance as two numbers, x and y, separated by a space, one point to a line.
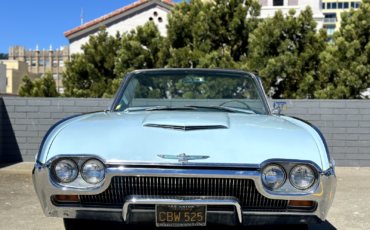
82 16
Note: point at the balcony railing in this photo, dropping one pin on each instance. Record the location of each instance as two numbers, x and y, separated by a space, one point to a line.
330 20
330 32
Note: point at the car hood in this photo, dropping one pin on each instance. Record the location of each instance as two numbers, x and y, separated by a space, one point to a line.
232 138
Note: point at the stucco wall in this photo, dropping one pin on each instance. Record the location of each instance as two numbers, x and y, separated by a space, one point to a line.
2 77
24 121
125 24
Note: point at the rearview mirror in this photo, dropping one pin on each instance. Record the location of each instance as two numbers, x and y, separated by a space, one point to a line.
278 107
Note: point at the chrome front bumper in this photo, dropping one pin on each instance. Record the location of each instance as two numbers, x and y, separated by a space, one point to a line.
323 194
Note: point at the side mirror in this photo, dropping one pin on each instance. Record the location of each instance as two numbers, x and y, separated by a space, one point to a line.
278 107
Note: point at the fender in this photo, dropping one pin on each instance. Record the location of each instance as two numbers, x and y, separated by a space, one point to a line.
318 132
38 160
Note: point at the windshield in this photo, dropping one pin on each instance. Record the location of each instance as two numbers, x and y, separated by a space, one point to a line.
213 91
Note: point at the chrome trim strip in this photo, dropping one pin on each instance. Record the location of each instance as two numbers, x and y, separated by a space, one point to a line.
150 211
155 172
278 213
181 201
277 160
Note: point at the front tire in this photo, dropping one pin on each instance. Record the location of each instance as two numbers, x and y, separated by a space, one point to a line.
74 224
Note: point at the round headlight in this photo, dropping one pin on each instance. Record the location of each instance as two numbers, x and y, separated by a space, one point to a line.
65 170
302 177
93 171
273 176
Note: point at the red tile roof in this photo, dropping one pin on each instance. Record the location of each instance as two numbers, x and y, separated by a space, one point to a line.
113 14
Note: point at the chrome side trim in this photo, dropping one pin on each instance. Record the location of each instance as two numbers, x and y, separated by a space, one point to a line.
181 201
279 213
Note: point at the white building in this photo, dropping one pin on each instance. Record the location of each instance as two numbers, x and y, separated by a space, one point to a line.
2 77
270 6
123 20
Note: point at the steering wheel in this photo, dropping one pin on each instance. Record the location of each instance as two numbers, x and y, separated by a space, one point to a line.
238 102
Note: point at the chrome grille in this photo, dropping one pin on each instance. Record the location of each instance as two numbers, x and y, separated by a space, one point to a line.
243 189
186 128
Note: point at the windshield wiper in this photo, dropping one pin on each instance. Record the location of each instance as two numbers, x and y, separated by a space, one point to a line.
170 108
231 110
142 108
211 107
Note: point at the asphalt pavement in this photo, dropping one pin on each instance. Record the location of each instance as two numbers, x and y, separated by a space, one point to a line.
20 208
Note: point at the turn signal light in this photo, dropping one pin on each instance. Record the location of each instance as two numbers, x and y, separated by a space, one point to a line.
302 203
67 198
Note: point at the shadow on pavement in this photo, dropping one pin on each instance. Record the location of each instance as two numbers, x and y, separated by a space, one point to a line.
324 226
9 149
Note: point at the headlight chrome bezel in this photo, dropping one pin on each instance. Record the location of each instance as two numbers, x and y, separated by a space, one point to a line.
276 165
308 187
53 168
82 168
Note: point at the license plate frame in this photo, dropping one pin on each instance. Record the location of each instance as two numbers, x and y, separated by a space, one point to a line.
161 211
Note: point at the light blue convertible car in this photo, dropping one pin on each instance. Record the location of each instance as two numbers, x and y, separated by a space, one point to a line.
186 147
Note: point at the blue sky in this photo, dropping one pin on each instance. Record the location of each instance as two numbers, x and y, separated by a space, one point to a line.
28 23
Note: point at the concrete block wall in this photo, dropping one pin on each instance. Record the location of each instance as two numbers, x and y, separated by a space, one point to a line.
344 123
24 121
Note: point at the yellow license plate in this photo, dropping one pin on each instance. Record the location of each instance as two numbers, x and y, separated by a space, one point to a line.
181 215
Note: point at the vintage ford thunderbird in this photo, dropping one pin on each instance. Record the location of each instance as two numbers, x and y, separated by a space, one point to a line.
186 147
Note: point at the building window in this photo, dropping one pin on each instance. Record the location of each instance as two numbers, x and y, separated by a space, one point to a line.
41 62
28 61
329 6
33 62
346 5
332 18
330 29
47 62
323 6
334 5
61 63
55 76
61 90
357 5
278 3
55 63
60 76
340 5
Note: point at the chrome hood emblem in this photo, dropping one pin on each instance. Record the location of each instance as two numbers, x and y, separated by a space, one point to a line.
183 157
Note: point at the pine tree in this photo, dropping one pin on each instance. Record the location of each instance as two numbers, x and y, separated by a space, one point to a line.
90 73
284 52
139 50
41 87
345 64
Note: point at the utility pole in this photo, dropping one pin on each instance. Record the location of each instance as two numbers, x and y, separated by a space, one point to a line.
82 16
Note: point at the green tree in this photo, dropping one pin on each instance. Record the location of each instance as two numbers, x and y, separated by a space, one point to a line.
139 50
3 56
284 52
345 64
209 34
90 73
41 87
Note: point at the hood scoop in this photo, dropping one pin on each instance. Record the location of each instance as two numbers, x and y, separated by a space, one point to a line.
189 121
186 128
